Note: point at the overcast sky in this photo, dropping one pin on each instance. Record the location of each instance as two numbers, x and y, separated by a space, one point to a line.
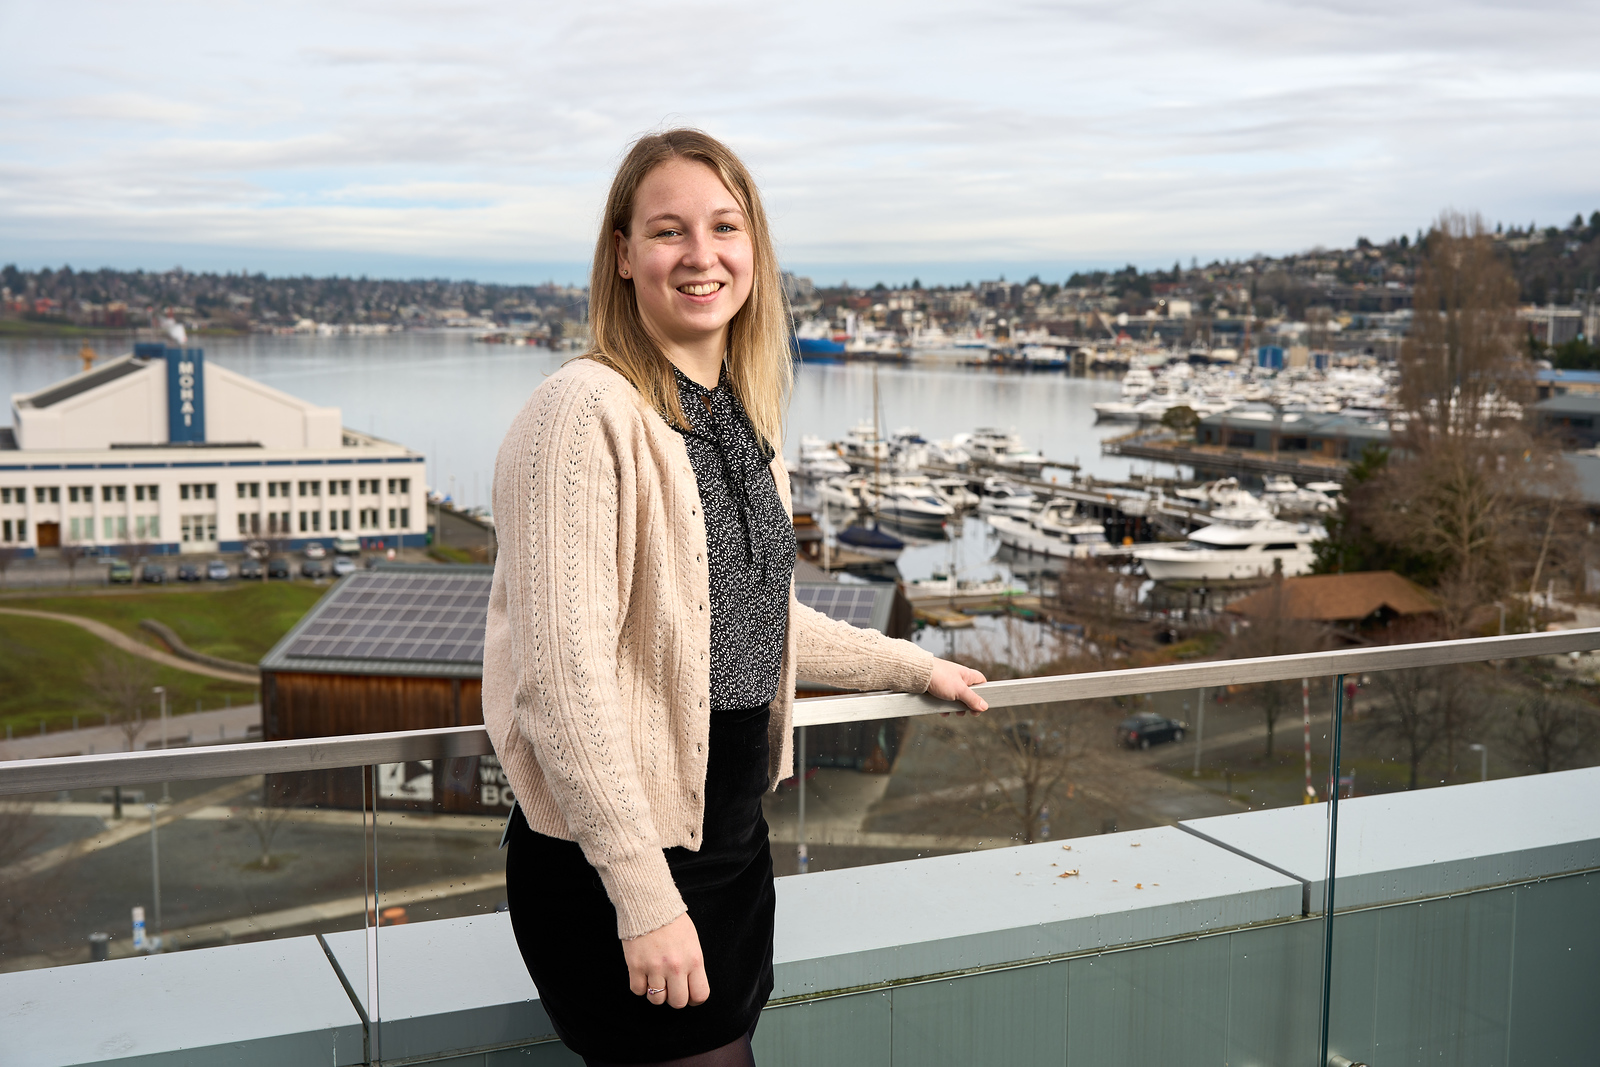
941 140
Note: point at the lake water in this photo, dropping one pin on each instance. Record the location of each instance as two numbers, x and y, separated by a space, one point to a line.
452 399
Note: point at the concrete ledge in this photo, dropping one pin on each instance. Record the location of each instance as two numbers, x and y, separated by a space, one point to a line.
1432 842
275 1002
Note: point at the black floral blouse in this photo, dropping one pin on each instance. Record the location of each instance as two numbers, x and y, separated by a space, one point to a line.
750 543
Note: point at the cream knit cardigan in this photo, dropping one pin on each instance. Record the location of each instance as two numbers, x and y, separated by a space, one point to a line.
596 665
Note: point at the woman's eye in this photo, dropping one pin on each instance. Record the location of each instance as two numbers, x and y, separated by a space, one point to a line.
669 233
725 228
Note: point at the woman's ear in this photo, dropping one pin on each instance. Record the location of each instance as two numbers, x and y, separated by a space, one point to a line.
621 242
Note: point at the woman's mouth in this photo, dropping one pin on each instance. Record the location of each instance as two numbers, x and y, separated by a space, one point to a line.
699 288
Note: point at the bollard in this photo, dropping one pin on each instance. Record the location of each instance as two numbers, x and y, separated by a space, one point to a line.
99 948
74 724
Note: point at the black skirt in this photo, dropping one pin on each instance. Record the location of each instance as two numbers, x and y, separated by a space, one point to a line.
566 926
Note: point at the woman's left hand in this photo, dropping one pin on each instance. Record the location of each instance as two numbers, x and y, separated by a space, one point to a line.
952 681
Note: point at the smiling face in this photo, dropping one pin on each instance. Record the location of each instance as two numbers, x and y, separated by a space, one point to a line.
689 255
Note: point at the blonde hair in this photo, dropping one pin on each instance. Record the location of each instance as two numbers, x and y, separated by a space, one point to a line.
759 361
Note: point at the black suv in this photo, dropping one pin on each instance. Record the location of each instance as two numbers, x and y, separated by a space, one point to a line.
1147 728
278 568
250 568
189 572
153 573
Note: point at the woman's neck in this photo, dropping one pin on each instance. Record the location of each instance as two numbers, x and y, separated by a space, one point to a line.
700 358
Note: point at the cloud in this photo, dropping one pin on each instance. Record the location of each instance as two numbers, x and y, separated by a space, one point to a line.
937 132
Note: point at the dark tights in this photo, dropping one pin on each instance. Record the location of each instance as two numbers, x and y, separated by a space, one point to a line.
736 1053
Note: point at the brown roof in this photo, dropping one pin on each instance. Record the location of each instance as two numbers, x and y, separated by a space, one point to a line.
1338 598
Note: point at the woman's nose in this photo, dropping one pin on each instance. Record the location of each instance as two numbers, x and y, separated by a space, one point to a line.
698 252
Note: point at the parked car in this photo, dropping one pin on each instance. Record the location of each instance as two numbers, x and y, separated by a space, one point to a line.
251 569
121 572
315 550
312 569
347 545
258 550
1147 728
278 568
189 572
153 573
217 571
343 565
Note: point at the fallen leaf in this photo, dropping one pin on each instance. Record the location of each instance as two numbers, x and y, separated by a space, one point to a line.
1138 885
1066 848
1067 874
1134 845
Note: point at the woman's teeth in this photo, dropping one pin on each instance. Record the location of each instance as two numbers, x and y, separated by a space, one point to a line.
700 289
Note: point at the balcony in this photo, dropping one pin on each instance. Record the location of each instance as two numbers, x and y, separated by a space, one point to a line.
1465 917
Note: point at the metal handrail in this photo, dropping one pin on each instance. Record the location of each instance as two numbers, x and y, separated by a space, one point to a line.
356 750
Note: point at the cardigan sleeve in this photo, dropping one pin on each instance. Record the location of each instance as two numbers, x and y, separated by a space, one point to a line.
559 530
831 651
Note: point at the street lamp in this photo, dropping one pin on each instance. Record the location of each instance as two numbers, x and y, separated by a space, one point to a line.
1483 761
161 691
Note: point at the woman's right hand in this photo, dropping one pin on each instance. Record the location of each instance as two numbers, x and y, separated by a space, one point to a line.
668 959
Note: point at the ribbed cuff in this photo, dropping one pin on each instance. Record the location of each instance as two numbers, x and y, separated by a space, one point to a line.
643 892
914 674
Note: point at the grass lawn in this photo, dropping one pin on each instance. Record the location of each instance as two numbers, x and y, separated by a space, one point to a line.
45 668
239 623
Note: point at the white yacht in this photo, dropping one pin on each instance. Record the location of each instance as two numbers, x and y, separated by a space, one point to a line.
941 586
1002 496
999 449
1116 411
818 459
954 491
1242 546
841 492
906 502
1057 530
862 446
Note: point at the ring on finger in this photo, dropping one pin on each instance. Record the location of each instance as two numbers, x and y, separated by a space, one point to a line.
652 992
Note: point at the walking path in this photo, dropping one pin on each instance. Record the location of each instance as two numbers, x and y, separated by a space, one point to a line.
113 636
195 728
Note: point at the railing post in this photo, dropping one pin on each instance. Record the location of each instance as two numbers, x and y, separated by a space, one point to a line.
1333 848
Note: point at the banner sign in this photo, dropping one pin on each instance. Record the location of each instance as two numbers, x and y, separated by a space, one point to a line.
186 394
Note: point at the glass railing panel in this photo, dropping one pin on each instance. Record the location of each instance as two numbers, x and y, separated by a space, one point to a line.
108 872
1463 889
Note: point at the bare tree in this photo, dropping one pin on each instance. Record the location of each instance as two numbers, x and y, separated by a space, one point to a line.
72 555
121 684
1549 732
9 554
1468 462
1020 757
278 795
1421 710
21 831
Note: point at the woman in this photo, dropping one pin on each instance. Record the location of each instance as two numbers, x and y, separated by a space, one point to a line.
643 635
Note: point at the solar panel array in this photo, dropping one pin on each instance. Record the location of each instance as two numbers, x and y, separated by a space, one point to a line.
385 615
848 603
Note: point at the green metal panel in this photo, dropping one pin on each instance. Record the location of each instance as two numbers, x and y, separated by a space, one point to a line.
1555 974
545 1054
1153 1006
1274 978
837 1032
1443 989
1013 1018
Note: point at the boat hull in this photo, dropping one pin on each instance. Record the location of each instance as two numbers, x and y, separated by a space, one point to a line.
1180 565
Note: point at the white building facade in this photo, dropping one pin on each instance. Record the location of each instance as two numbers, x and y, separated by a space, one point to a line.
161 453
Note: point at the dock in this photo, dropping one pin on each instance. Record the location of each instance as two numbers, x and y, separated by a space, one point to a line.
958 612
1222 460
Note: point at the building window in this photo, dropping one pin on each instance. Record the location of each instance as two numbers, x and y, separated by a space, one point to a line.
149 492
344 518
368 486
339 488
369 518
47 494
113 494
198 528
311 522
249 491
147 527
5 526
405 518
5 497
277 522
310 488
206 491
115 527
80 494
399 486
74 527
277 489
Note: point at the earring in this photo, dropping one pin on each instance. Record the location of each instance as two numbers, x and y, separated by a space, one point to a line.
624 272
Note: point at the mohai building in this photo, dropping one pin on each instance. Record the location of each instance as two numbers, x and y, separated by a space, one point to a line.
159 452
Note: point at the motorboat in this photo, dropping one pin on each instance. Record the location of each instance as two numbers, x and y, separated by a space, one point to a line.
1057 530
841 492
1237 548
945 586
819 459
862 446
999 449
954 491
1116 411
872 541
1002 496
906 502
